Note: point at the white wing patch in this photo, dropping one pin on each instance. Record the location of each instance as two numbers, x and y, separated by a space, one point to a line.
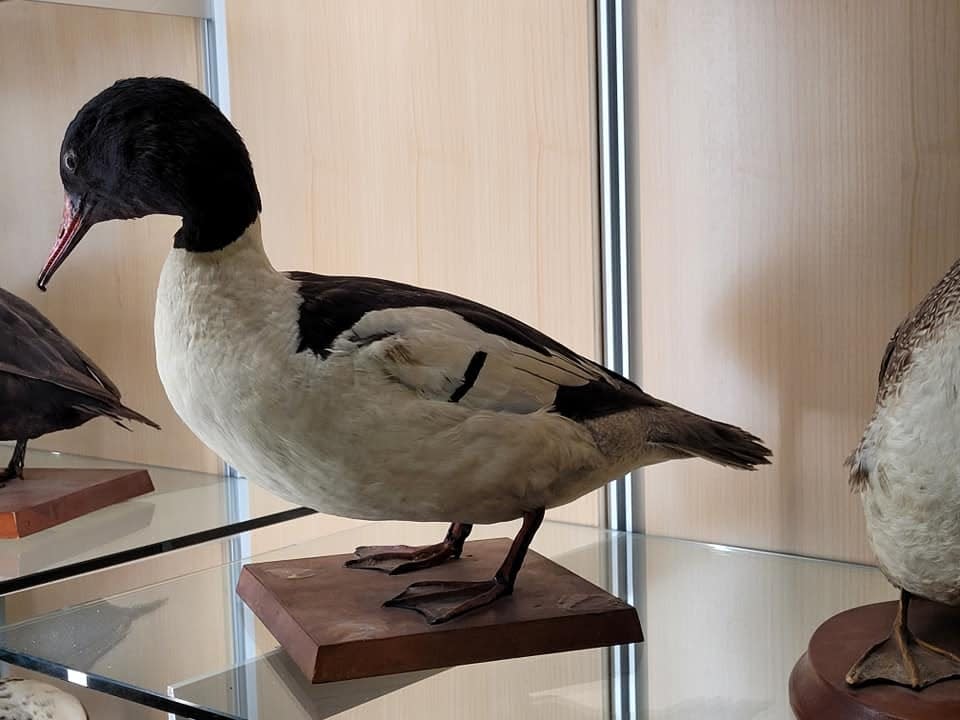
430 350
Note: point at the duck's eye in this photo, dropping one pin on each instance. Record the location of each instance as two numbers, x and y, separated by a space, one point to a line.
70 160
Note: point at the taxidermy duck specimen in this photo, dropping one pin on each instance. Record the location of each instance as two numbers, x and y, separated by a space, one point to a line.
356 396
907 471
46 382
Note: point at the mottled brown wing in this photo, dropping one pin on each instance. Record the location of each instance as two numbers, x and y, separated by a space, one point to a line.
31 346
895 360
925 324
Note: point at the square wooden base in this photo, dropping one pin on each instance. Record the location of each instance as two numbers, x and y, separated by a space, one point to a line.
50 496
331 622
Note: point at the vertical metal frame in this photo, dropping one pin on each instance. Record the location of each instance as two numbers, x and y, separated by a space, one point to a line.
215 65
614 232
614 55
216 77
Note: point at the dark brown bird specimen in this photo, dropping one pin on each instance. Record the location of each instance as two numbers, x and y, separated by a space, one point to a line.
46 382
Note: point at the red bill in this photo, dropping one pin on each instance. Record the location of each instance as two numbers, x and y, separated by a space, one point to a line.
75 224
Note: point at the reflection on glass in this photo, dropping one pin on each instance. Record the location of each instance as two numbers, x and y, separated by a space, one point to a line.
186 508
723 629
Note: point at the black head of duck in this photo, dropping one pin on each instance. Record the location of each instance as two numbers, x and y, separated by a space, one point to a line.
154 146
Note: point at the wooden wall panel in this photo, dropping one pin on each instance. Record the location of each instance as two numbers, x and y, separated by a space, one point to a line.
450 144
798 168
52 59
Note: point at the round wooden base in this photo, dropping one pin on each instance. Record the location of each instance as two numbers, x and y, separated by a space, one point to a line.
817 687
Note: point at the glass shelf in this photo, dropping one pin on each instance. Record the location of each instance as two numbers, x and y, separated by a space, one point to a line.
185 509
723 628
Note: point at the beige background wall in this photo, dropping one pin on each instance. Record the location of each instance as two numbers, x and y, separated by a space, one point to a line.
449 144
798 176
53 59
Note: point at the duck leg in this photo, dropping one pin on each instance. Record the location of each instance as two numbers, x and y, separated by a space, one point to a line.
904 659
15 468
397 559
439 601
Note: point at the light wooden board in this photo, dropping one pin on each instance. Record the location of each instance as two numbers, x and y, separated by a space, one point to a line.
449 144
52 59
798 170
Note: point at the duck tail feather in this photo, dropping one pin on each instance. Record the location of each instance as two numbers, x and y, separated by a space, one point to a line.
693 435
124 412
117 413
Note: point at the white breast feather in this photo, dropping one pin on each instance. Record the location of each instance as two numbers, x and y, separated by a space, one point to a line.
911 452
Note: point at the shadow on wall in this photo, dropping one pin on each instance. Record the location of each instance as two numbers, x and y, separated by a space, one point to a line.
815 308
800 165
791 322
841 226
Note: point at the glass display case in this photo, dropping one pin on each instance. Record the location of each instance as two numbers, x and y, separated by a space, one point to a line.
723 628
733 205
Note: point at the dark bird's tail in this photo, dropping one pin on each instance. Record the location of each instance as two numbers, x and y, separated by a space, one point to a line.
693 435
116 412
